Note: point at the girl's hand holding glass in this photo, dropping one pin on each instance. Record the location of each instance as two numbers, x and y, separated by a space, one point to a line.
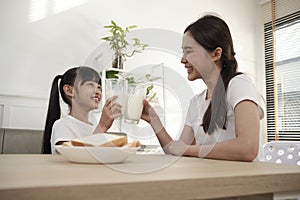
111 111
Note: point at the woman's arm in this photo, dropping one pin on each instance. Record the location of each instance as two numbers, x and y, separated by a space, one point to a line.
244 147
150 116
162 135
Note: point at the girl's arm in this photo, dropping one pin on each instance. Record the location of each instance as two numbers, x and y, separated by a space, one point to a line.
244 147
110 112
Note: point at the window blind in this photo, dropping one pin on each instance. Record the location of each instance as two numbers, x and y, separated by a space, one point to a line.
282 63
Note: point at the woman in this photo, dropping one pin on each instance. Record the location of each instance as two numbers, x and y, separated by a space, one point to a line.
223 122
80 89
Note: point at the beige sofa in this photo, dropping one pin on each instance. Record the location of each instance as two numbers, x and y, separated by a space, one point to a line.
19 141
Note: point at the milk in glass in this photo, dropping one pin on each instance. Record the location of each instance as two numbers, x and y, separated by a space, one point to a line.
134 102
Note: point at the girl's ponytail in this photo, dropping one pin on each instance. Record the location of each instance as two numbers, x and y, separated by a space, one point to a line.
53 114
80 74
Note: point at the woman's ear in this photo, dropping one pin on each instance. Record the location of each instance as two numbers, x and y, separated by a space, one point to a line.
216 54
69 90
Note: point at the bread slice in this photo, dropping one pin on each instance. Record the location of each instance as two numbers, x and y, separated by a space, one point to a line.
67 143
119 142
78 143
100 140
133 144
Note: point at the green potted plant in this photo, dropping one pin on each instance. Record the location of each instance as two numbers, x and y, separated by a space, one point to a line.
120 45
123 49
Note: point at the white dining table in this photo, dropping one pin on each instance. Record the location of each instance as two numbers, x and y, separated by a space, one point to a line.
31 176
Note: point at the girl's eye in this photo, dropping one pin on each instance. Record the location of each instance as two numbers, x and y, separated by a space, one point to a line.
94 85
90 85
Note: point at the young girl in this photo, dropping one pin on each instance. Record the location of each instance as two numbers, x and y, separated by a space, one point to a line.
80 89
223 122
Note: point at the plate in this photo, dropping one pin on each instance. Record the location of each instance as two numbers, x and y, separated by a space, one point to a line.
103 155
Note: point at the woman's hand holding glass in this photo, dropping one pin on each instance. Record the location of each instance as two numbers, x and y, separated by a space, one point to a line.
150 116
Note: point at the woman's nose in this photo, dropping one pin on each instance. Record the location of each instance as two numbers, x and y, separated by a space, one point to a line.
183 60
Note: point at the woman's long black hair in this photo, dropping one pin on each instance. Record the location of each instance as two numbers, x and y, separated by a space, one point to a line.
211 32
70 77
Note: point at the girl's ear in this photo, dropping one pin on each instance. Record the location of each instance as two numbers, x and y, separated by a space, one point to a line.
69 90
216 54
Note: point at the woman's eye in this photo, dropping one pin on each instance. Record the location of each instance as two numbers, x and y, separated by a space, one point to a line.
187 51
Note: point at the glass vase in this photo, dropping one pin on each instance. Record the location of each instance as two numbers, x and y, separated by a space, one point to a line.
118 61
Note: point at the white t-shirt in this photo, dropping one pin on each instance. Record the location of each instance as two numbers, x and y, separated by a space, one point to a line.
67 128
240 88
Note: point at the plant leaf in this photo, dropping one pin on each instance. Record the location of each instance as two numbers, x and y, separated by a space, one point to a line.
152 97
113 23
149 88
132 27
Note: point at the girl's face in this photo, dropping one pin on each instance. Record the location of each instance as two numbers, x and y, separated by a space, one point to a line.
88 95
195 58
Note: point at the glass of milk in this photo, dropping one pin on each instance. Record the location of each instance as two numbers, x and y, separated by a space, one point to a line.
135 94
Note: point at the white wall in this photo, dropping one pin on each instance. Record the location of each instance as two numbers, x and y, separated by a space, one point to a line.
33 52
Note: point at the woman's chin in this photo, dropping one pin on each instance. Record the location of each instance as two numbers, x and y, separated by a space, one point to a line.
190 78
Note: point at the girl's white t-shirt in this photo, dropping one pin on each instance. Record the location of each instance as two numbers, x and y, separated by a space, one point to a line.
67 128
239 88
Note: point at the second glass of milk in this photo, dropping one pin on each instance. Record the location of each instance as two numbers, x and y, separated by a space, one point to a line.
135 94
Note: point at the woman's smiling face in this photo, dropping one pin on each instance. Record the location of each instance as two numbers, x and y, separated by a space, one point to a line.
195 58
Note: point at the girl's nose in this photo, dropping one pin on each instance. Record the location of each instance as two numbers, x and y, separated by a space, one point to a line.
98 90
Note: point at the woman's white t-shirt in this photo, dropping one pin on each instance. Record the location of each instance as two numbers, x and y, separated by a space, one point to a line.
67 128
239 88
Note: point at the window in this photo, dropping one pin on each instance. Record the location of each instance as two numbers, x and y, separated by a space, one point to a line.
40 9
283 78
